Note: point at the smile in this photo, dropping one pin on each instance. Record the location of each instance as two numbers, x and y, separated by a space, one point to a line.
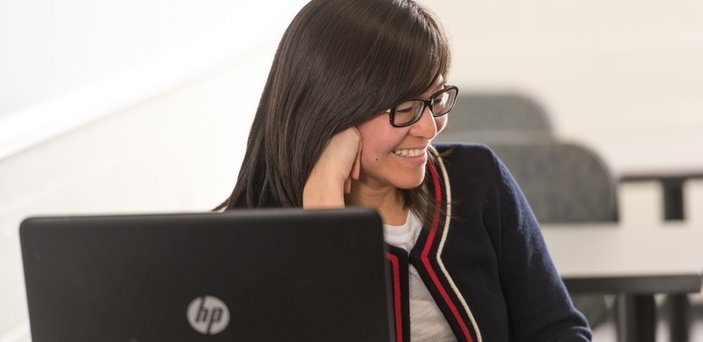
409 152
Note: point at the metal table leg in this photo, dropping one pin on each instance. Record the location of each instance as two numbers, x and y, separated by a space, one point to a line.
679 304
636 318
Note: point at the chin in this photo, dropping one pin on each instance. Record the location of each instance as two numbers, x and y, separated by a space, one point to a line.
410 184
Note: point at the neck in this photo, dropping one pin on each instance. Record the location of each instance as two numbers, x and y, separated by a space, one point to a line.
388 201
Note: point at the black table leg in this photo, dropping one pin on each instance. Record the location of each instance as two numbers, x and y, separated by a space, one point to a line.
679 317
678 303
673 198
636 318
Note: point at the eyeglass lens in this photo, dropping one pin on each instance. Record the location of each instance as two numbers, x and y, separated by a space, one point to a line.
410 111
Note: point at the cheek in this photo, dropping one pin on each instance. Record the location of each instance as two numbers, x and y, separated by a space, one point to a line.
369 160
376 149
378 138
373 151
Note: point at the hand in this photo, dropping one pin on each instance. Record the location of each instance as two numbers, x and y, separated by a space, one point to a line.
332 174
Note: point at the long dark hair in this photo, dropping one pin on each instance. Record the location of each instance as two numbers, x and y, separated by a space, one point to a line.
340 62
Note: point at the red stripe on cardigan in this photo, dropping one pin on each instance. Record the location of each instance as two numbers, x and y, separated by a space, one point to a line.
395 270
426 250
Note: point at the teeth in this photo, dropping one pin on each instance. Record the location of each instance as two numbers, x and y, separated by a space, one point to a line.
409 153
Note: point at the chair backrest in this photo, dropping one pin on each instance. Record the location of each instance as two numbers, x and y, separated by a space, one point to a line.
493 117
563 182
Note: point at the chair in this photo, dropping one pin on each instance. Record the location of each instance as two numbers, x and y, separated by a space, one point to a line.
490 117
565 183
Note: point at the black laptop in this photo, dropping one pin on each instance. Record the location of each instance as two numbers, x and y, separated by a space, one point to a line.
249 275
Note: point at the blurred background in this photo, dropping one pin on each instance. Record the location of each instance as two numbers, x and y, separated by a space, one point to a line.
144 106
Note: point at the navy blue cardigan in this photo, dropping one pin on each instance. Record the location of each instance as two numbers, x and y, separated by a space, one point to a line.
487 266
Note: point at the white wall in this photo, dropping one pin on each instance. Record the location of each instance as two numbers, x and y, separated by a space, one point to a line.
634 63
51 47
603 69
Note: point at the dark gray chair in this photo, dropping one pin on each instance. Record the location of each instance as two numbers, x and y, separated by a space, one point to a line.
494 117
565 183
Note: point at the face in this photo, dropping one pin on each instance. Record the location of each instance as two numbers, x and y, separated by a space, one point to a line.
393 157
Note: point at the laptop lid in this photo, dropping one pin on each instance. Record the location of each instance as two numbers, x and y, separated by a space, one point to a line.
246 275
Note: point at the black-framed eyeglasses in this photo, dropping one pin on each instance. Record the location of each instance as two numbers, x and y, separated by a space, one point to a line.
410 111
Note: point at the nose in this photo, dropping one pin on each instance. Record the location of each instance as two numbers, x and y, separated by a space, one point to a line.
426 127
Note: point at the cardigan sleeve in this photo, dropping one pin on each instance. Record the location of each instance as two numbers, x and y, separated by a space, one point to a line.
539 306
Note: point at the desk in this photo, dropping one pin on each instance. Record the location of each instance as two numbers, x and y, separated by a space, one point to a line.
670 159
672 183
634 262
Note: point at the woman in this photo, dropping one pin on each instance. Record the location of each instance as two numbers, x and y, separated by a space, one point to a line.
356 93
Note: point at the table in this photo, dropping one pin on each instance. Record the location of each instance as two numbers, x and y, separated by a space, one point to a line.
634 262
670 158
672 184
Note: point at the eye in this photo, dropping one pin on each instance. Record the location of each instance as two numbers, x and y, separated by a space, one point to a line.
404 110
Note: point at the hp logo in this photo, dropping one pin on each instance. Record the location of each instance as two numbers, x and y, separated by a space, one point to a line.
208 315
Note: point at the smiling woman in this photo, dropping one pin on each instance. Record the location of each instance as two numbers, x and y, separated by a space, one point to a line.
356 94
